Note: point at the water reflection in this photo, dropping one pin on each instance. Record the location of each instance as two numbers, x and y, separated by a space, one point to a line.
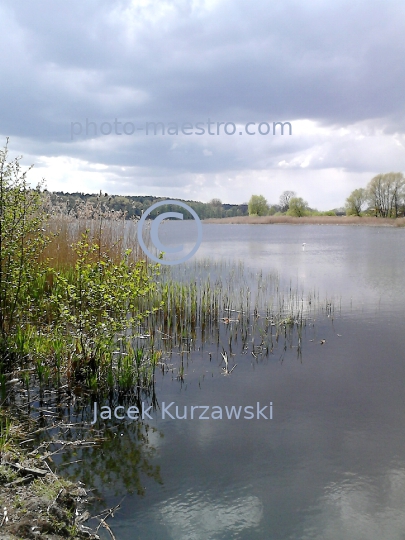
355 508
363 263
118 465
204 516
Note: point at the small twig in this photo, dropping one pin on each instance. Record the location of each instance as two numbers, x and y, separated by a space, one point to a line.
20 481
26 470
27 441
108 511
103 520
50 470
106 526
5 517
52 503
71 462
42 429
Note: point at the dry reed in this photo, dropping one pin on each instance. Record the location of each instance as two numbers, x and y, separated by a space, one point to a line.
107 228
311 220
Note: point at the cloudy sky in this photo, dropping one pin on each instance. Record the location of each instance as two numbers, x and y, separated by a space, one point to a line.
333 69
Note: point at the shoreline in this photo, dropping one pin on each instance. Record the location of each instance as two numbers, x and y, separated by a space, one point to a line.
309 220
38 502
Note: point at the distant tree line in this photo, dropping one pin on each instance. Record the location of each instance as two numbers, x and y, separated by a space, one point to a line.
289 204
133 206
384 196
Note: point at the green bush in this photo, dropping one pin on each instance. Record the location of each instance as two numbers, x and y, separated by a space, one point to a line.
97 302
22 240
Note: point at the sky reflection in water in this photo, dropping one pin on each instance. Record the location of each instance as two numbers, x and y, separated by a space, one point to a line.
331 464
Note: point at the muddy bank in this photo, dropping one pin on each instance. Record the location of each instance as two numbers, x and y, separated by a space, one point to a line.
312 220
36 503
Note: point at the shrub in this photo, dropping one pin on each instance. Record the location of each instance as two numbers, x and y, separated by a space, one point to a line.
22 240
94 303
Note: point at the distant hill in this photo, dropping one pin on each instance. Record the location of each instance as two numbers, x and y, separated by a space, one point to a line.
135 205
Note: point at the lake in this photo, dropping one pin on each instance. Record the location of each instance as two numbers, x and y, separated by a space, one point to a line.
330 464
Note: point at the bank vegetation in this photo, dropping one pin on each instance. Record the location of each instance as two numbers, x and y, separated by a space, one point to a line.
311 220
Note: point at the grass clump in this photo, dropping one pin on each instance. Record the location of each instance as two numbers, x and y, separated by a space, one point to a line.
6 474
49 487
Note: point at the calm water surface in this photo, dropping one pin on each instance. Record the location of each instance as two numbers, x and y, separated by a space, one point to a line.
330 465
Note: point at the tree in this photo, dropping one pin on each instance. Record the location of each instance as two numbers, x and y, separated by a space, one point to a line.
258 206
285 199
386 194
215 208
216 202
355 202
274 208
298 207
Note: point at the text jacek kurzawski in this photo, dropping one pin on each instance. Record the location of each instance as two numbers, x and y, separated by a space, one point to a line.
171 411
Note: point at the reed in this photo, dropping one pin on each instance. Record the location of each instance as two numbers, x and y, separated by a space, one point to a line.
311 220
234 308
108 229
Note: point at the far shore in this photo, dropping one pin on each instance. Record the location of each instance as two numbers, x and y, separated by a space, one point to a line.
311 220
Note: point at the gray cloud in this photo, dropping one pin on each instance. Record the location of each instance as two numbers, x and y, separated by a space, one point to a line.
338 64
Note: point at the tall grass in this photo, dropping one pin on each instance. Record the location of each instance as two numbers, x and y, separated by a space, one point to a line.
106 228
237 309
